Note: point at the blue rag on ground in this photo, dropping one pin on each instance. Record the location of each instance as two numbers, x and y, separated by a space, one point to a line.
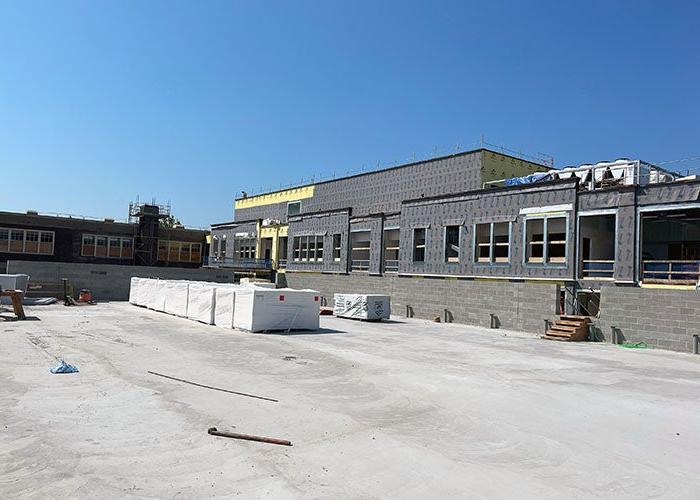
64 368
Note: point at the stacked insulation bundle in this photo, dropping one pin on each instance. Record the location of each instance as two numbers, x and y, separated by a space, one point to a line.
249 306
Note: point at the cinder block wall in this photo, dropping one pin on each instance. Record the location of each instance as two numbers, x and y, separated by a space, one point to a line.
517 306
662 318
108 281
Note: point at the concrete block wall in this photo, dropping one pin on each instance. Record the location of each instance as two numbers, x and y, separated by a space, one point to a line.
107 281
665 319
517 306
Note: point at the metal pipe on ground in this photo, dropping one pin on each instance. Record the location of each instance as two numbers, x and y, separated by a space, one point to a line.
215 432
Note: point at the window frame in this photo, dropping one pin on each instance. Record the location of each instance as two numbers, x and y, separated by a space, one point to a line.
459 246
291 203
338 248
545 241
492 244
414 248
10 231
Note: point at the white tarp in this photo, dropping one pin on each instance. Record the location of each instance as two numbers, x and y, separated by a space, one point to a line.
176 293
361 306
225 302
202 301
136 291
259 309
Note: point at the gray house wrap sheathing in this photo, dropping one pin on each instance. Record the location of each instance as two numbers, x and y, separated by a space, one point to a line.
515 254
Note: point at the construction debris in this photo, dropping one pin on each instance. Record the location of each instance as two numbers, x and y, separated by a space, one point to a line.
214 432
212 387
64 367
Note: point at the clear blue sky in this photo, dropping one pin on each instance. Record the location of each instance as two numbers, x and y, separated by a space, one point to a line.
195 101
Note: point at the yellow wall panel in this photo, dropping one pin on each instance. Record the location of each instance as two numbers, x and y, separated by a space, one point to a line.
299 193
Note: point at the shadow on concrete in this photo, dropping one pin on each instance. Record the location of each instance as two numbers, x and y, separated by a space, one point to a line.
320 331
12 317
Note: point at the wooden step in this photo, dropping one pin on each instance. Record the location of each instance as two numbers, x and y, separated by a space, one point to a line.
570 322
554 333
563 328
554 337
575 318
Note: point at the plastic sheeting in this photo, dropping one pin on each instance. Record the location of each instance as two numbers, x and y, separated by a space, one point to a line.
528 179
176 294
259 309
225 305
202 301
361 306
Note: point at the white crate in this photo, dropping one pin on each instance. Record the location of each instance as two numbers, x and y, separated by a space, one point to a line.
361 306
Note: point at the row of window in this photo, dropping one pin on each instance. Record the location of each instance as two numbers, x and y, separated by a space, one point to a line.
113 247
26 241
545 242
179 251
310 248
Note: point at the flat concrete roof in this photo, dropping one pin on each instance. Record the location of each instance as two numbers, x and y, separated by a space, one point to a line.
404 409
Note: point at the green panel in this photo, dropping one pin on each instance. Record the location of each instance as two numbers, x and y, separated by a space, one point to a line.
496 166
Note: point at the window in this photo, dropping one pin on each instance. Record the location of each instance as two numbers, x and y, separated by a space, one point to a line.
305 248
178 251
4 240
452 243
222 248
492 242
296 248
31 242
293 208
215 246
45 242
127 248
336 247
319 248
546 240
312 248
114 247
100 246
360 250
419 244
185 252
94 245
17 240
196 252
88 249
391 250
163 250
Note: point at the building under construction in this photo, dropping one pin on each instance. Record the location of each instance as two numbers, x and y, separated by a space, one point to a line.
143 240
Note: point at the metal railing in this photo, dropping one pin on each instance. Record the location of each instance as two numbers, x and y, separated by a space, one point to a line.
359 265
671 271
238 263
391 266
598 269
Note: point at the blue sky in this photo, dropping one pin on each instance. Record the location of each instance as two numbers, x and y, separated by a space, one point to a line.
195 101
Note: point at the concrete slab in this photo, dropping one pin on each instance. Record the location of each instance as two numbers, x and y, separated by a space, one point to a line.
406 409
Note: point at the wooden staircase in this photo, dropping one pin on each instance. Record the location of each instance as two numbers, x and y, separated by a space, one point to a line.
568 328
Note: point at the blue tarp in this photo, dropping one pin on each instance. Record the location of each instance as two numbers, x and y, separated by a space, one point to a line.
64 368
528 179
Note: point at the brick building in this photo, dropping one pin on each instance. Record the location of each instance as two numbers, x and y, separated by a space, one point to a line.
36 237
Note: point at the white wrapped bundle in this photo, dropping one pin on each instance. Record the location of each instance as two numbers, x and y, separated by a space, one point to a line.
201 302
176 294
258 309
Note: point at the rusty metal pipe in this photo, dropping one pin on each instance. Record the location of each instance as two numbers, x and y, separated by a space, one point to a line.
215 432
